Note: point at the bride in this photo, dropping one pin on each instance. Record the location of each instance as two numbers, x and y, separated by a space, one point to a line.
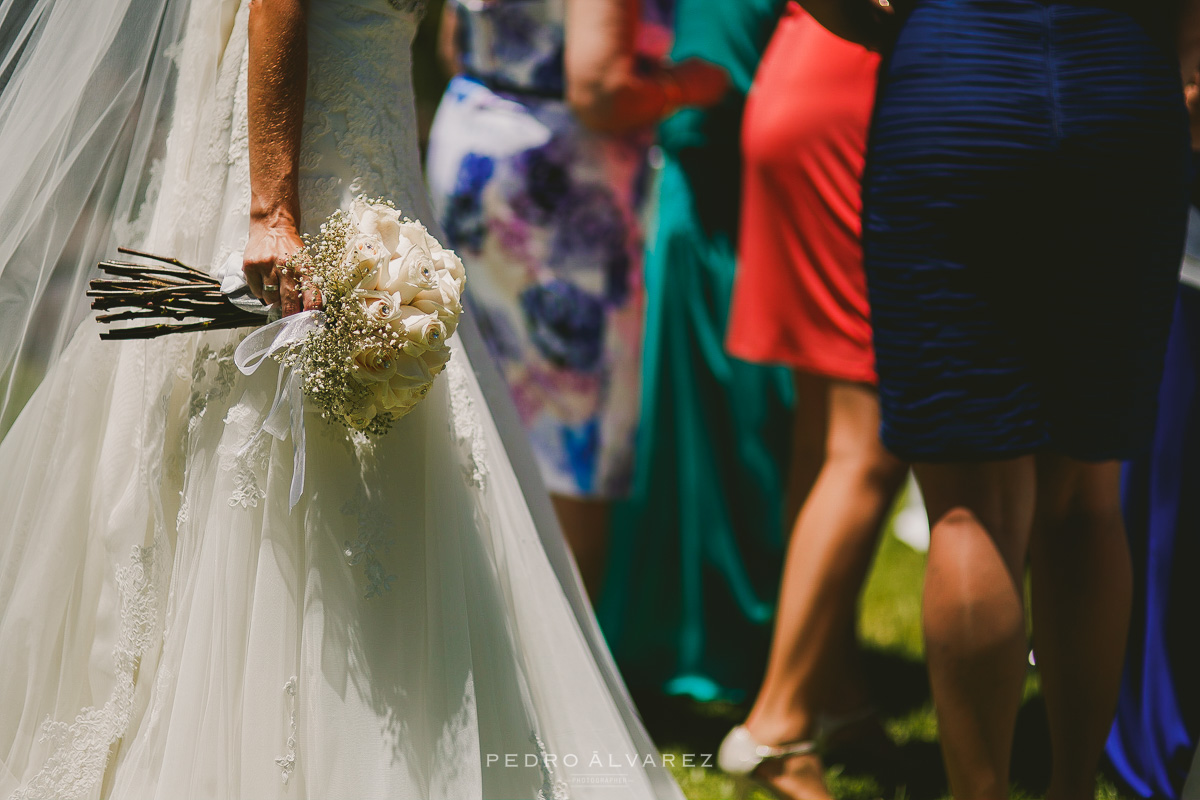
168 627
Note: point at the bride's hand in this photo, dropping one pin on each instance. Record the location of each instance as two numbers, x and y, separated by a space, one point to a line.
267 250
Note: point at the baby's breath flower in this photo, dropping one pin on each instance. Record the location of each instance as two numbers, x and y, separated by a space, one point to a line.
364 393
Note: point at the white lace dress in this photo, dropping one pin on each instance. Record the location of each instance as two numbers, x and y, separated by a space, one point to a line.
169 629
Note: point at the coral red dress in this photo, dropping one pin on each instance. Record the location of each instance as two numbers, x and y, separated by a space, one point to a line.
800 297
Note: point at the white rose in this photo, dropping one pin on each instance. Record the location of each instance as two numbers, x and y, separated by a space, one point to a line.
411 396
361 418
447 261
411 372
382 307
435 360
422 329
369 257
392 398
445 301
377 219
381 396
411 270
374 364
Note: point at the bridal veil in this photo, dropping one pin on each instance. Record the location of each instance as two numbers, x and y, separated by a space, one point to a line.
90 92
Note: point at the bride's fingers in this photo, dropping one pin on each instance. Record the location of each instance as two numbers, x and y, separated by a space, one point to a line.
289 292
312 299
266 253
271 287
252 270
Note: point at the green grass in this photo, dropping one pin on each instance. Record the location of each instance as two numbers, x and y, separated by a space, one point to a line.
890 627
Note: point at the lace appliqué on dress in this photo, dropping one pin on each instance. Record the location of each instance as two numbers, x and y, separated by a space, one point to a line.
213 375
411 6
348 131
287 761
552 789
246 491
370 544
245 461
466 425
81 749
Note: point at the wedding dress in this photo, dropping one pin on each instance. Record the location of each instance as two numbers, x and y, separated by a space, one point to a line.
170 629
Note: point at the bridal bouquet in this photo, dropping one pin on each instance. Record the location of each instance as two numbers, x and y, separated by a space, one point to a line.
391 298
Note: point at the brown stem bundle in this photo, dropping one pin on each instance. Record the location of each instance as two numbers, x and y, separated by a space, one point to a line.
192 300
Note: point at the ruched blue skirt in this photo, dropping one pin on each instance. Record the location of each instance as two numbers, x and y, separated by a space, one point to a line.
1025 205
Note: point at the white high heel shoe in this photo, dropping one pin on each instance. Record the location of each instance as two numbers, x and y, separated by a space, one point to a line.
740 754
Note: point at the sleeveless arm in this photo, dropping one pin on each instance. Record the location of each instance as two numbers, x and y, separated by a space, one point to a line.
604 87
277 72
447 41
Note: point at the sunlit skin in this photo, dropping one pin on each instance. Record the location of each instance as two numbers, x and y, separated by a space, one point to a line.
842 483
604 89
277 73
990 519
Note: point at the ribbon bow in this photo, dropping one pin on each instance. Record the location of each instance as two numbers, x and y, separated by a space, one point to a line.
287 410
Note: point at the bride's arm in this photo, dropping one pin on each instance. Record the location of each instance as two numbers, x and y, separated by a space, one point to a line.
277 72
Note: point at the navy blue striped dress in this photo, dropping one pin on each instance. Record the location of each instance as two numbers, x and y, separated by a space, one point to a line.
1025 206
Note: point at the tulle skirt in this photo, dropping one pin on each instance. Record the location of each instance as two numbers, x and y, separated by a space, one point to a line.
170 628
399 633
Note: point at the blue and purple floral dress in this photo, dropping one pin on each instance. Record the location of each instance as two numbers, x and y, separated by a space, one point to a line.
546 215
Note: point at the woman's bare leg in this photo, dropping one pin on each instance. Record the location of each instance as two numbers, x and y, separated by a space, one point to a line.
813 665
585 526
810 429
1082 591
974 616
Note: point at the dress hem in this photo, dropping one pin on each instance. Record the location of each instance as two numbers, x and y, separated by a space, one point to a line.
854 374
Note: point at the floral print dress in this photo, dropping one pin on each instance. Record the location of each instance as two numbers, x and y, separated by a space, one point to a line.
546 215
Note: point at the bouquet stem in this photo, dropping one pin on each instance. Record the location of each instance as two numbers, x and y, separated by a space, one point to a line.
173 298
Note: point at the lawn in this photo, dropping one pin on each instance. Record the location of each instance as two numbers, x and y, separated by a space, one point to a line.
889 623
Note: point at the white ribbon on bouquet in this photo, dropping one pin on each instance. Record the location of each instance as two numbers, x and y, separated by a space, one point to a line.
286 416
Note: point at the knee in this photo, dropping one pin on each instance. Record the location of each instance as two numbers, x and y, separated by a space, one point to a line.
970 570
1082 518
1078 500
990 538
960 531
956 522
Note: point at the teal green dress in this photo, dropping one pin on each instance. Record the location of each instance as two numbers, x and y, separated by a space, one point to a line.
697 550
